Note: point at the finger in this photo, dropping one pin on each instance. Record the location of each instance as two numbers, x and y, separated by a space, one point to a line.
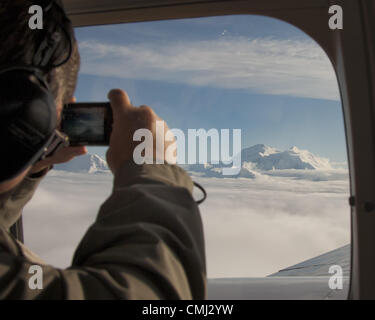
119 101
148 110
66 153
79 150
71 151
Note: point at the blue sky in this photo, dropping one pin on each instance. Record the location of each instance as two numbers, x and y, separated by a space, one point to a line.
249 72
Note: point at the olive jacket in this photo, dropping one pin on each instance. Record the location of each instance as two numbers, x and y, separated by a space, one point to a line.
146 243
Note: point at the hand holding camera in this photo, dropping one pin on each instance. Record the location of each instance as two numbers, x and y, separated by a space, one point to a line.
109 123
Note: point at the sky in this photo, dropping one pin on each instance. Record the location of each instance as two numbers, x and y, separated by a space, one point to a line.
254 73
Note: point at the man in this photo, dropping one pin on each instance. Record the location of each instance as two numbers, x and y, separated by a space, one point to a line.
147 240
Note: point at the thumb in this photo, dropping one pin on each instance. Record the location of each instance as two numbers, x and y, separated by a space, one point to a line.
120 101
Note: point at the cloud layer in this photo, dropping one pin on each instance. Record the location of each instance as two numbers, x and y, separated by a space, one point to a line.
253 227
268 66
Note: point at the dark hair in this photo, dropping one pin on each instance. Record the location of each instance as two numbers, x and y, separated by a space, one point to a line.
19 44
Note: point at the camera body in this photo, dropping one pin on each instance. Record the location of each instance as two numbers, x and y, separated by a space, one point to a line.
87 124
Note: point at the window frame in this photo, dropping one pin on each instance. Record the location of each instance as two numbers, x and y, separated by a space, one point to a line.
356 82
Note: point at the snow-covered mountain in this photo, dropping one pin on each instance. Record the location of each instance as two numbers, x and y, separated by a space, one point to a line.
261 158
268 158
255 161
88 163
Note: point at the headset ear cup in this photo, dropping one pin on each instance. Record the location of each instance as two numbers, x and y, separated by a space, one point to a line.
27 121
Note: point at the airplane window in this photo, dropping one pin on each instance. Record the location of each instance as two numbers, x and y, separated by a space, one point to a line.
266 98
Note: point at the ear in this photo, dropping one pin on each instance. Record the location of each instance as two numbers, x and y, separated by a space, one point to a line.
73 100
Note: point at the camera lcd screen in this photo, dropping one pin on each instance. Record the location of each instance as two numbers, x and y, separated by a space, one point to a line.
85 124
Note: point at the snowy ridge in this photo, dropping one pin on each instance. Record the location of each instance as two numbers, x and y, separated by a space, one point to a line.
267 158
88 163
261 159
256 161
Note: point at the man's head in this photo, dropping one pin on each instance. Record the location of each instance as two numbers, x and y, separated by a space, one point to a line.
20 43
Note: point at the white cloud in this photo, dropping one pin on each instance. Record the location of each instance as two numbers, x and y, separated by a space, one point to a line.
287 67
252 227
257 227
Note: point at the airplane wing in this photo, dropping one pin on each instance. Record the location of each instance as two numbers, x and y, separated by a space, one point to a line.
319 266
307 280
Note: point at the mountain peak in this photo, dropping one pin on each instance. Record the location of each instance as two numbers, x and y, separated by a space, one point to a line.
88 163
266 158
294 149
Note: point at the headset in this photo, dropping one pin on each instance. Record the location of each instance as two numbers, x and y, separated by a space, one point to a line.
28 117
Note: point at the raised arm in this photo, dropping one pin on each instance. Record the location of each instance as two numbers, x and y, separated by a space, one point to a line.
146 243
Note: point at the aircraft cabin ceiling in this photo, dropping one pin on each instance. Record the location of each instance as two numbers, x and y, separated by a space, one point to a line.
92 12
